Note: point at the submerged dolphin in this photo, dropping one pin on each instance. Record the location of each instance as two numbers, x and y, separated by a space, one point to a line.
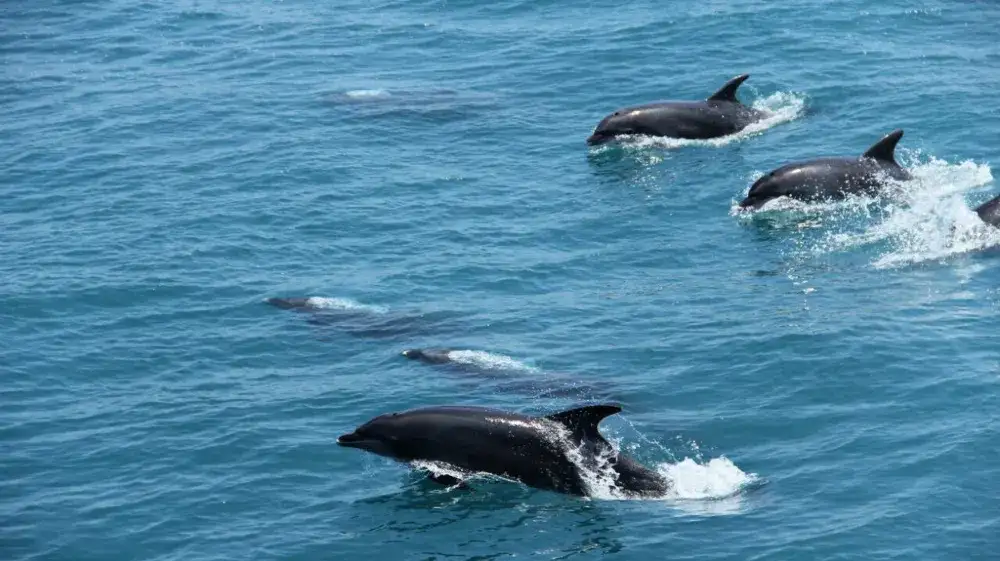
360 320
720 115
430 356
551 452
510 376
831 178
296 303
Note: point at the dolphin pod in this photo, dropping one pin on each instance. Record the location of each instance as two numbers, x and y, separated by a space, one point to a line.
554 452
563 451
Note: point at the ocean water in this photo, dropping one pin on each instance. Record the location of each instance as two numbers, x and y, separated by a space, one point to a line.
818 382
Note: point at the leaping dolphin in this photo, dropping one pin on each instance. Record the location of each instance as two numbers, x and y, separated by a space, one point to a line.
553 452
831 178
720 115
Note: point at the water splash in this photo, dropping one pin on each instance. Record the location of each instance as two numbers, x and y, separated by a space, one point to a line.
441 469
925 219
718 481
718 478
697 487
365 95
489 361
325 303
938 222
778 108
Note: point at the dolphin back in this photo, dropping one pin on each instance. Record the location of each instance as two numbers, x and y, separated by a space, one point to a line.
989 211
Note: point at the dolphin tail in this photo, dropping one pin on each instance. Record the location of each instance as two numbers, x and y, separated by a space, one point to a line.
728 91
583 421
885 150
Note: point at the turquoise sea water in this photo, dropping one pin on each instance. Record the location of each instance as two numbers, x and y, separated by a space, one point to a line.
818 382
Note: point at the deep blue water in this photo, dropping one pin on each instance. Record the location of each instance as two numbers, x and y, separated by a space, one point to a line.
818 382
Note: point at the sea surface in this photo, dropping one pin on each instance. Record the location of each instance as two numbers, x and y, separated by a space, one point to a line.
818 382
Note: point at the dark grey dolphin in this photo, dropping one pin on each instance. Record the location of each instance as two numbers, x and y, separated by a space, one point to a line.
294 303
719 115
551 452
831 178
430 356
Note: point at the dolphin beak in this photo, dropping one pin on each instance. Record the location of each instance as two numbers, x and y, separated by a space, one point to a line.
597 138
366 443
351 440
411 353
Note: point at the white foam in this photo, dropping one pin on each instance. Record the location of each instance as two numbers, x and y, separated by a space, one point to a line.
938 222
367 94
778 108
440 468
692 484
324 303
924 219
489 361
719 478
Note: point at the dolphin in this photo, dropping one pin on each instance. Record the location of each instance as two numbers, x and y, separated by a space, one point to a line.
553 452
363 321
989 212
719 115
831 178
295 303
510 378
429 356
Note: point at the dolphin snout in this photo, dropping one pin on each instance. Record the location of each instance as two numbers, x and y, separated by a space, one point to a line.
597 138
349 439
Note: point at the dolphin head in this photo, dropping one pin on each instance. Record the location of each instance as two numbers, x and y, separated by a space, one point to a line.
763 190
385 435
289 303
431 356
619 123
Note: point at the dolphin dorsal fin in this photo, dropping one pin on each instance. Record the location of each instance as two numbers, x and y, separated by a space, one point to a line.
583 421
885 149
728 91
